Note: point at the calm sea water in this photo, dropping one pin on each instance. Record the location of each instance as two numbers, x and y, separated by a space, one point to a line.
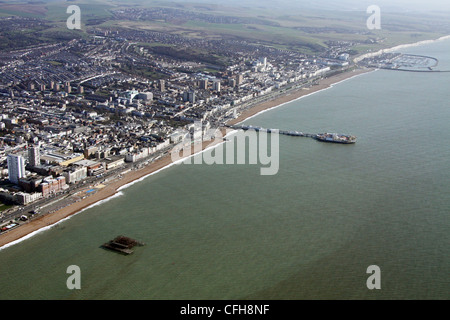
309 232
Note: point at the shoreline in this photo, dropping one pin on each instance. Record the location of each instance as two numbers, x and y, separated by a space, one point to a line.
401 46
113 189
324 84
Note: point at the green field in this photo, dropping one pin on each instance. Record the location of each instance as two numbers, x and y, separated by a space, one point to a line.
292 27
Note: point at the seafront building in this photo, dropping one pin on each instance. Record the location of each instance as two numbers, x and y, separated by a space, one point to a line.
75 174
16 168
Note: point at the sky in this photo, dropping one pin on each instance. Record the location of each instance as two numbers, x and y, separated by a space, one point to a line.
394 5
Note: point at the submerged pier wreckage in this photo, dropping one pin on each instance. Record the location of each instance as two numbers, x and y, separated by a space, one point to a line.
122 244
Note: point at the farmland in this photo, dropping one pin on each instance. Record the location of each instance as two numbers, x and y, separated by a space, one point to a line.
290 28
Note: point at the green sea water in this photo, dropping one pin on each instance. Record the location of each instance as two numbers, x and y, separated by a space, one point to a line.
308 232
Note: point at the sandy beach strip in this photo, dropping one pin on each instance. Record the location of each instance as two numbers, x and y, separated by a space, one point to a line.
291 96
110 189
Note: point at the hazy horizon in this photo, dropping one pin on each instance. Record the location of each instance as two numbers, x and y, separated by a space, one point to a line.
390 5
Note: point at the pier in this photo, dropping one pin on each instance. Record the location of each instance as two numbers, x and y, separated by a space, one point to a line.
284 132
324 137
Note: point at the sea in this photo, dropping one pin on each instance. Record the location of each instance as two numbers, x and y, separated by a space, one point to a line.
313 230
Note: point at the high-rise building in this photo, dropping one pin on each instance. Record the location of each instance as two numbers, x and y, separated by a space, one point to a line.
162 85
217 85
263 62
34 157
16 168
204 84
189 96
239 79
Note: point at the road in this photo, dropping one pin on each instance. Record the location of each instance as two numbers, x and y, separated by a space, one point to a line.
71 195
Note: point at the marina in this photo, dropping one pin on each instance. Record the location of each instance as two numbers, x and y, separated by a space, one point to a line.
405 62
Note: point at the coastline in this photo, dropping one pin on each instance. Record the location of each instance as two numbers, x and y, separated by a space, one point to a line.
297 94
396 48
113 189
